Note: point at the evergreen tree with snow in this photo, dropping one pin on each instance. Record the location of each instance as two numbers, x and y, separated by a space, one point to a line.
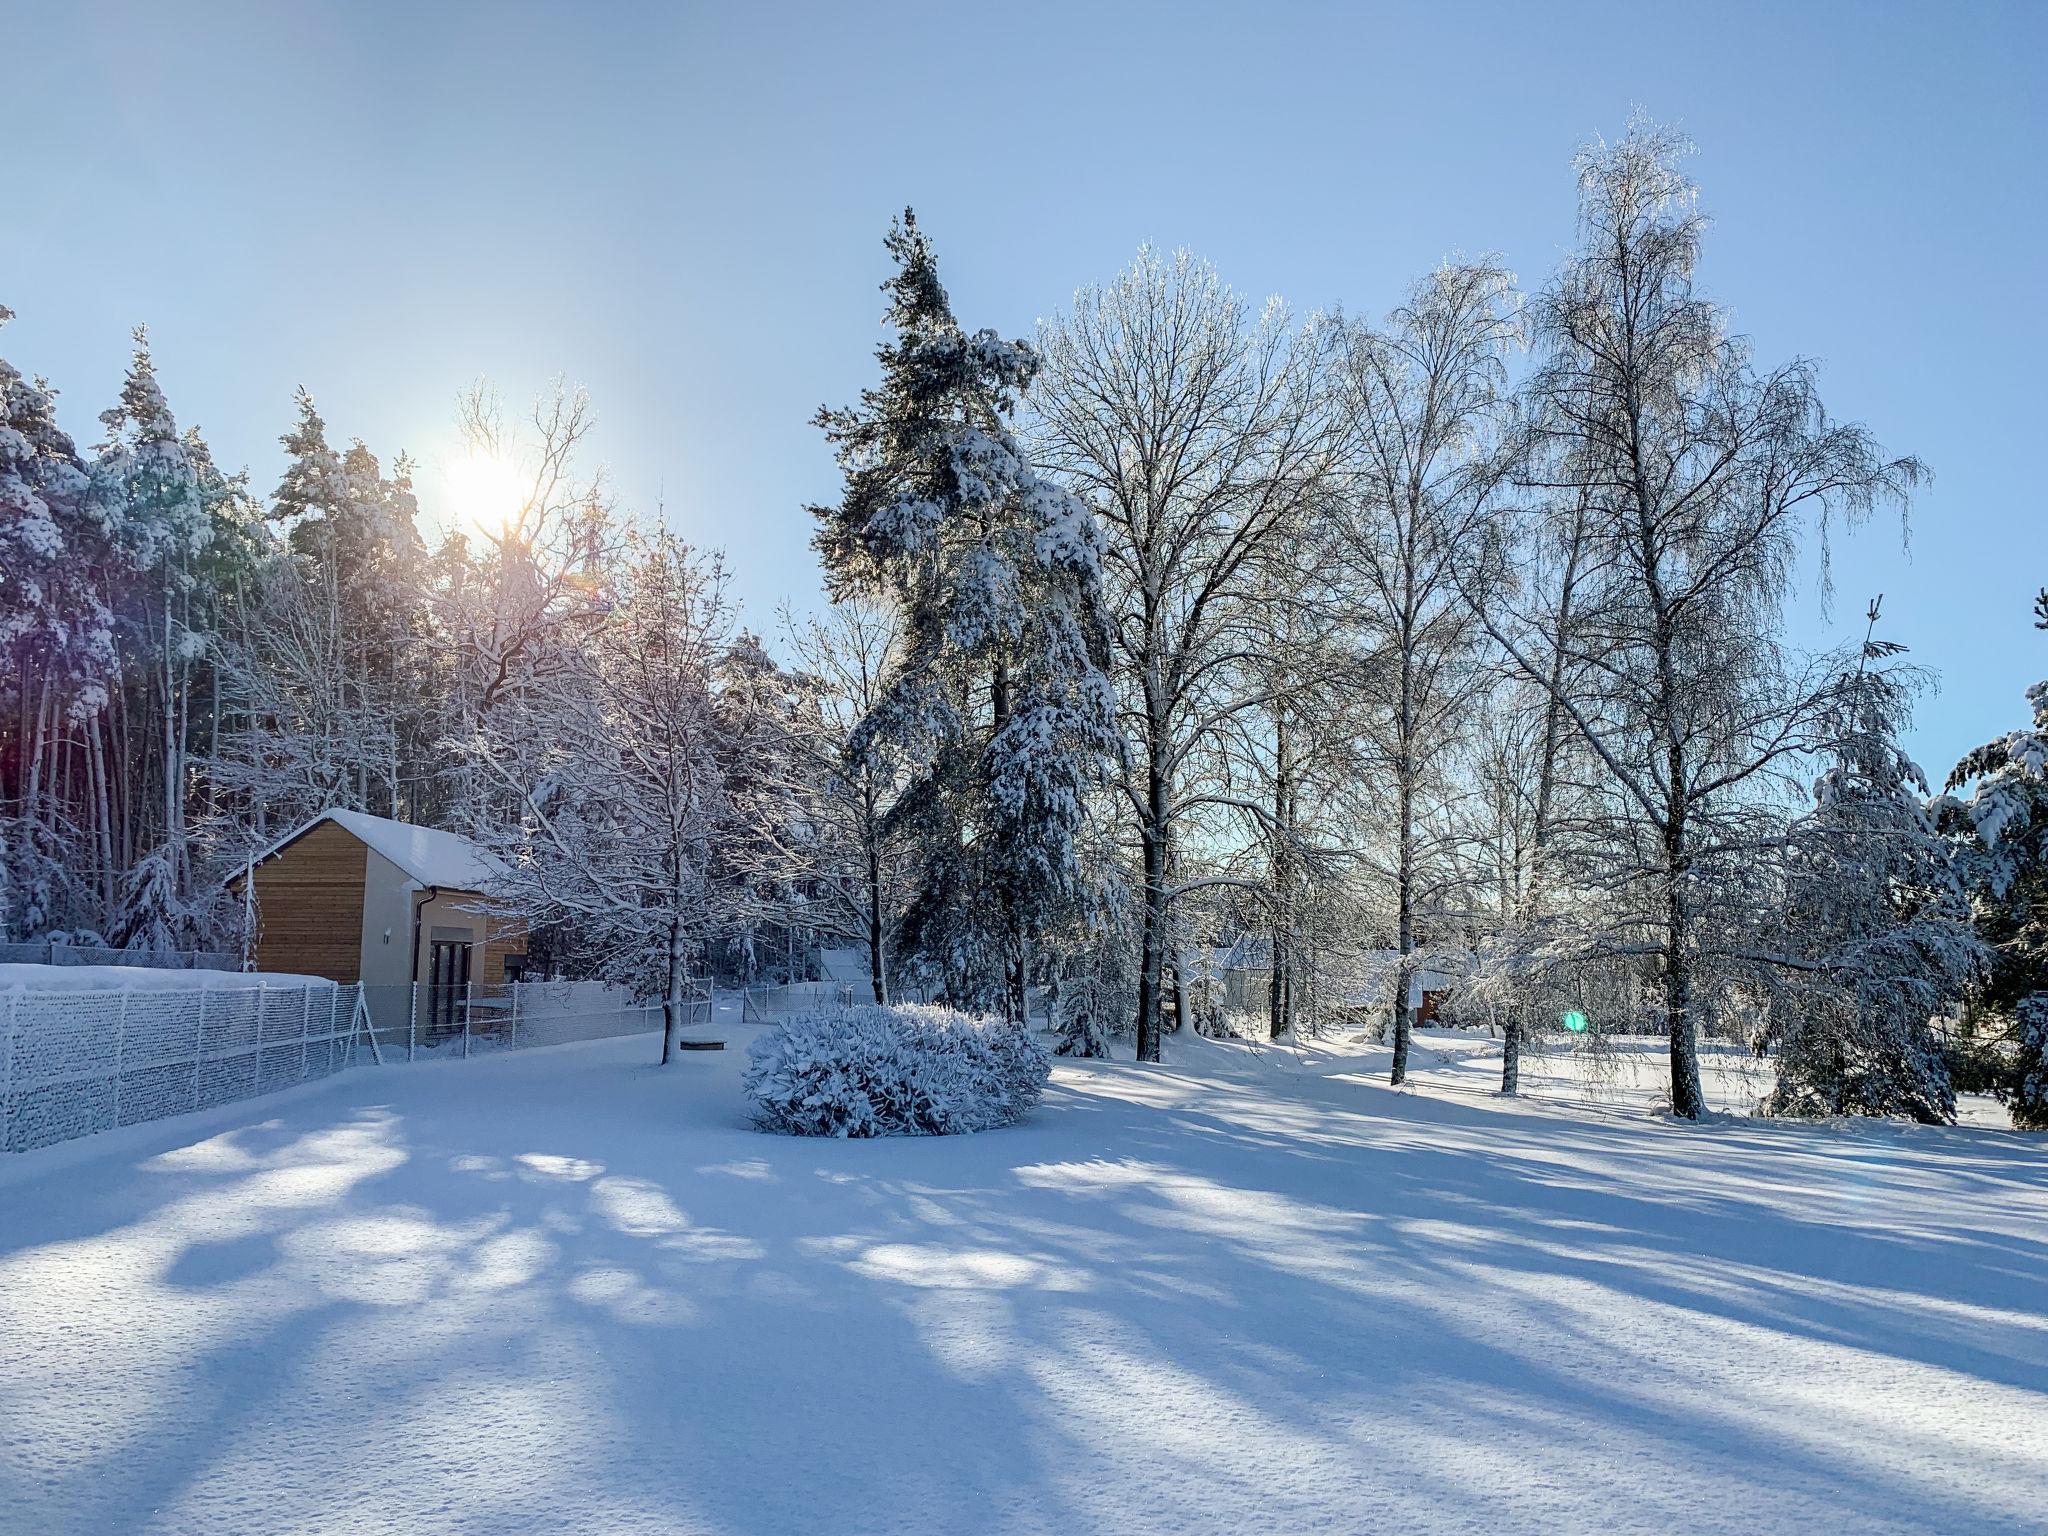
58 666
998 699
1875 895
152 489
2000 831
2027 1094
354 531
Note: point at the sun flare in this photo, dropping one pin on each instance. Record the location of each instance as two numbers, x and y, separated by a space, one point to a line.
485 491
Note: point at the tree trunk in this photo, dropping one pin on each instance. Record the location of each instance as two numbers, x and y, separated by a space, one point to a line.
1279 990
672 996
878 969
1151 961
1511 1054
1404 938
1687 1100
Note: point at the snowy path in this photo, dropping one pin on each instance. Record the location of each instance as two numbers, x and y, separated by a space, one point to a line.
1249 1292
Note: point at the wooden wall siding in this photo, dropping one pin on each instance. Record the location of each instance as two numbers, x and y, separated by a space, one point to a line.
309 906
504 938
495 937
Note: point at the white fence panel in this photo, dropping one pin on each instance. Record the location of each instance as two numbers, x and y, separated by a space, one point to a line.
72 1063
76 1062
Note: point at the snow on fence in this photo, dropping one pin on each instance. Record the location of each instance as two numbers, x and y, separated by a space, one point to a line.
799 997
92 1058
44 952
76 1062
413 1023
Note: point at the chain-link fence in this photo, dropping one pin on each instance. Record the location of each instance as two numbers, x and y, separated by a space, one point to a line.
80 1061
779 1002
428 1022
43 952
89 1059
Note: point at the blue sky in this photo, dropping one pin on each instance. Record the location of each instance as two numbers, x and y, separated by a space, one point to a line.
680 207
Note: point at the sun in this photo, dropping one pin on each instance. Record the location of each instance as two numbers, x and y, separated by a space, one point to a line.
486 491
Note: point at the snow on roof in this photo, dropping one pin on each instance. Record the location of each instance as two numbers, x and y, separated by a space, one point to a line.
425 854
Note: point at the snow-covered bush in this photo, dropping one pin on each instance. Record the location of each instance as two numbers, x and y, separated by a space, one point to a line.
896 1071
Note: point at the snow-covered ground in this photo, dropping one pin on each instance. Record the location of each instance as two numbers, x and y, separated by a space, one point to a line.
563 1290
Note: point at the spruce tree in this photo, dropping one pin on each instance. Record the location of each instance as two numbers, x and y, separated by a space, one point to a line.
151 492
2000 832
354 529
1876 896
57 655
998 699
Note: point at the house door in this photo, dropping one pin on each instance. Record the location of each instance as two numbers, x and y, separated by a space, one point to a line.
448 982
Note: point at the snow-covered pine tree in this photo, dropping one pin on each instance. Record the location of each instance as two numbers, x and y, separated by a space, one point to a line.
353 530
2027 1095
58 661
1874 899
156 496
998 703
2000 833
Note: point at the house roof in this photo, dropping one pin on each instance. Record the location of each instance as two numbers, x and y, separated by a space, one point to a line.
426 854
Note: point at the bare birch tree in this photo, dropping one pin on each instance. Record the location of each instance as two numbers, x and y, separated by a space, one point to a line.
1425 402
1697 473
846 657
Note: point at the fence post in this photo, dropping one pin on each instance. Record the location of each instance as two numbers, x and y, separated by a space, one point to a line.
412 1019
333 1018
468 1001
515 1017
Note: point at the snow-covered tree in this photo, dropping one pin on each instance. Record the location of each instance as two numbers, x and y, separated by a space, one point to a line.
1192 428
1873 898
353 529
611 760
58 661
518 592
1999 830
1301 757
153 484
1699 473
1425 403
300 730
997 706
845 659
2027 1097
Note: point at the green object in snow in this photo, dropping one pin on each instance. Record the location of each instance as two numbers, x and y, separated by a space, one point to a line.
1575 1021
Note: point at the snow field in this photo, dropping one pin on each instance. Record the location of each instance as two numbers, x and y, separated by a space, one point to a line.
1250 1290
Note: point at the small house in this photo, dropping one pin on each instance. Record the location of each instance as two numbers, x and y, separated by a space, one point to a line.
360 898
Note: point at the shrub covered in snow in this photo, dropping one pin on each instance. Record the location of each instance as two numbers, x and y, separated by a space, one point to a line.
899 1071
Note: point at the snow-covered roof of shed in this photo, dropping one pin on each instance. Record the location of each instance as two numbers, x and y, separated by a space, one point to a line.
425 854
